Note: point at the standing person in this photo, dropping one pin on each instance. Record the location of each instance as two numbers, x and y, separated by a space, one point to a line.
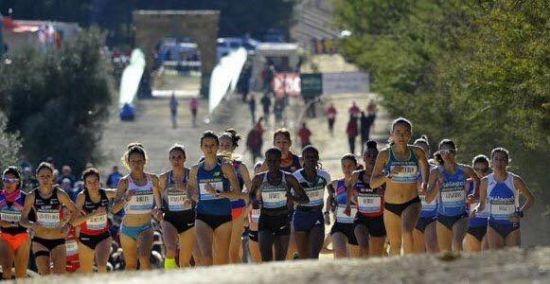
308 220
15 242
213 183
343 237
424 234
194 107
354 110
448 183
174 110
367 121
266 104
51 227
178 223
500 191
252 108
475 239
331 117
272 190
66 173
114 178
229 141
304 133
352 132
139 194
369 221
398 167
95 239
278 110
254 143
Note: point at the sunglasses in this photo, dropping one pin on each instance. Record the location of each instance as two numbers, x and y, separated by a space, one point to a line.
10 180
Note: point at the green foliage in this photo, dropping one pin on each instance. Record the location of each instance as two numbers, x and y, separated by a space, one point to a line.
58 99
10 144
476 72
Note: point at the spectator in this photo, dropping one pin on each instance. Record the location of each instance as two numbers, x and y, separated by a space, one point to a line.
51 161
252 108
331 117
254 143
352 132
174 110
75 190
266 104
367 121
29 181
194 106
278 109
66 173
354 110
114 178
304 133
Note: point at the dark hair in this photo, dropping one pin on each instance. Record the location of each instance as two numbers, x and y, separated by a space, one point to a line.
282 131
448 142
274 150
14 171
311 148
480 159
210 134
422 139
44 165
502 151
133 148
402 121
177 147
350 157
371 144
90 172
234 136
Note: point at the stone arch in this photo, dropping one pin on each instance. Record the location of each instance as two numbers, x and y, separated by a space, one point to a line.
201 25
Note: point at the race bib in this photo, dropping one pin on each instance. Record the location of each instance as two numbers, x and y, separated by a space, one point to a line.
255 215
341 217
453 197
97 222
503 210
48 219
140 203
274 199
406 171
176 202
369 203
71 246
10 216
315 197
218 186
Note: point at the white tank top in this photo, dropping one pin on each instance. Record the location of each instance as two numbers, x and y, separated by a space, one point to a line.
142 200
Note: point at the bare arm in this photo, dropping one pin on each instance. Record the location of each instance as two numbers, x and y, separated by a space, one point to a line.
247 182
68 203
120 199
470 173
192 187
255 192
482 195
378 178
523 190
81 217
27 207
434 185
424 166
330 196
229 173
300 195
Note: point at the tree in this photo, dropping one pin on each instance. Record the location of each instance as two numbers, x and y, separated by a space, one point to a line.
58 99
10 144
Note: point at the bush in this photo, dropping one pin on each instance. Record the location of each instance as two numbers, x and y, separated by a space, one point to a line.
58 99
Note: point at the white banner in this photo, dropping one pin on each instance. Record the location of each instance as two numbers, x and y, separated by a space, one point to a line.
347 82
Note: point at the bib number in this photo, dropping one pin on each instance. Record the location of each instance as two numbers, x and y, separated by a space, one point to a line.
48 219
369 204
71 247
11 217
341 217
315 197
97 223
141 204
176 202
255 215
273 199
218 186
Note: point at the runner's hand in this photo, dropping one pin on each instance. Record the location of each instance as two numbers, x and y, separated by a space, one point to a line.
396 170
347 211
210 189
157 214
327 218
